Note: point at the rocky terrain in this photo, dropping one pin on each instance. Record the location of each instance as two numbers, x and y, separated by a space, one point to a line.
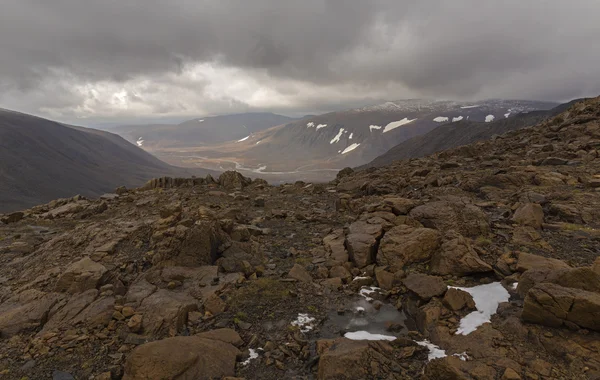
479 262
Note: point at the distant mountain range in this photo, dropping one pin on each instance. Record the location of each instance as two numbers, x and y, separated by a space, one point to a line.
464 132
41 160
200 131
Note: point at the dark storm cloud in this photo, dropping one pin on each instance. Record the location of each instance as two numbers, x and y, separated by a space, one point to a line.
301 50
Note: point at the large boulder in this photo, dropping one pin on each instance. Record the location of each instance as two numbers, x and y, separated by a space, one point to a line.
183 358
165 309
335 246
424 286
362 249
527 261
25 311
529 214
80 276
554 305
465 218
232 180
404 245
457 257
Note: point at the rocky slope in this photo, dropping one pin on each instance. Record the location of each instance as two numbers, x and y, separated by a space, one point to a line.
475 263
463 132
41 160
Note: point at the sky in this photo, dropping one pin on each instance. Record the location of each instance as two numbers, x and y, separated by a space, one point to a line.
121 61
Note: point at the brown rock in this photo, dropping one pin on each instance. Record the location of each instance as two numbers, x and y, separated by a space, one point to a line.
529 214
467 219
447 368
214 305
341 272
333 283
232 180
456 299
165 309
299 273
384 278
553 305
80 276
403 245
527 261
510 374
223 335
182 357
400 206
425 286
457 257
135 323
25 311
351 359
596 265
362 249
334 244
12 218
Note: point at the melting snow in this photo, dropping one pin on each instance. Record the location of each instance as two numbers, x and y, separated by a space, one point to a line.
351 148
350 137
140 142
365 335
310 124
514 286
244 139
434 351
506 115
466 107
396 124
487 298
371 127
489 118
337 137
441 119
321 126
359 309
458 118
304 322
366 290
462 356
253 355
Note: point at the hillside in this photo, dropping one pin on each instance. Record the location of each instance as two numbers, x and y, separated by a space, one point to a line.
478 262
41 160
463 132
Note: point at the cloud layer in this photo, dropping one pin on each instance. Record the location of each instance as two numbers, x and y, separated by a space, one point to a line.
117 60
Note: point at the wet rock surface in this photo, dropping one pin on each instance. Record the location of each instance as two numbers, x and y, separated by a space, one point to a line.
375 275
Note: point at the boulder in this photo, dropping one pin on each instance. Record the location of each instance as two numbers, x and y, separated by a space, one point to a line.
80 276
12 218
527 261
299 273
224 335
529 214
456 299
182 357
165 309
362 249
465 218
26 311
232 180
335 245
404 245
447 368
400 206
554 305
425 286
457 257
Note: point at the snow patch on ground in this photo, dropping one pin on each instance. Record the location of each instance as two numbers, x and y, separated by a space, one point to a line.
140 142
458 118
434 351
487 298
304 322
253 355
371 127
396 124
467 107
441 119
366 290
514 286
321 126
365 335
351 135
337 137
489 118
506 115
310 124
244 139
351 148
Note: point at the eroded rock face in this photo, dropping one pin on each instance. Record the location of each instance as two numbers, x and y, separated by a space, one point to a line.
182 357
403 245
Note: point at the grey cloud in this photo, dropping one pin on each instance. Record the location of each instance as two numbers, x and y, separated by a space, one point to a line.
391 49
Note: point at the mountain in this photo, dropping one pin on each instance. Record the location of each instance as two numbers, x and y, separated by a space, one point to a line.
462 132
478 262
202 131
42 160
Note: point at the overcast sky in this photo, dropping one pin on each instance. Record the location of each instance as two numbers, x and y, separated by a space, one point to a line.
89 61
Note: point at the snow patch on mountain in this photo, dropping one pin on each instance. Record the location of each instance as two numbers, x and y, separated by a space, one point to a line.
350 137
310 124
200 120
458 118
371 127
506 115
337 137
140 142
244 139
396 124
441 119
489 118
467 107
351 148
321 126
